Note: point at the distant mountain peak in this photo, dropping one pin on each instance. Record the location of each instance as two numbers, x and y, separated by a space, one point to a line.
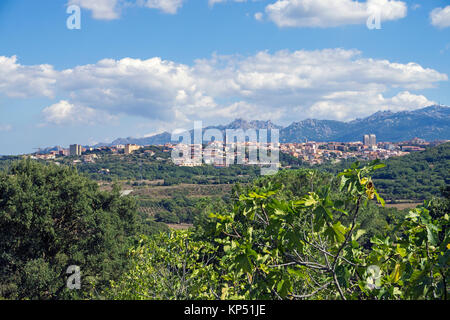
430 123
240 123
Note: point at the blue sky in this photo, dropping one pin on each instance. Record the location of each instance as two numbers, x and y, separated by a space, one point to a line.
136 68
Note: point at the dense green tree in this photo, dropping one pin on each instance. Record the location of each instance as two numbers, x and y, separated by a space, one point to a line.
50 218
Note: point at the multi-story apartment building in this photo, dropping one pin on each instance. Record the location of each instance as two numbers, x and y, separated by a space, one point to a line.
75 150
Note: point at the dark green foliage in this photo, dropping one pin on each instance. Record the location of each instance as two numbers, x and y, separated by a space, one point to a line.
297 183
417 176
178 209
51 218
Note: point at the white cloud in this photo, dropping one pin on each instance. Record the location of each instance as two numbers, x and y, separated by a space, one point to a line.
17 80
407 101
111 9
167 6
101 9
152 88
353 104
296 83
283 86
66 113
332 13
302 71
440 17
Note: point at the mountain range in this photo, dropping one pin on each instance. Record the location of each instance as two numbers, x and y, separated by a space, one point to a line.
430 123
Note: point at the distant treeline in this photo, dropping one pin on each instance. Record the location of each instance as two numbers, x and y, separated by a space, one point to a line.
417 176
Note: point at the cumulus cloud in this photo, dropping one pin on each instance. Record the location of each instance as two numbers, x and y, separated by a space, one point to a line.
66 113
152 88
341 105
296 83
440 17
284 86
302 71
332 13
17 80
111 9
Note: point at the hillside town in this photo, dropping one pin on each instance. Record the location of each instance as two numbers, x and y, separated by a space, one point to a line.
216 153
367 149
